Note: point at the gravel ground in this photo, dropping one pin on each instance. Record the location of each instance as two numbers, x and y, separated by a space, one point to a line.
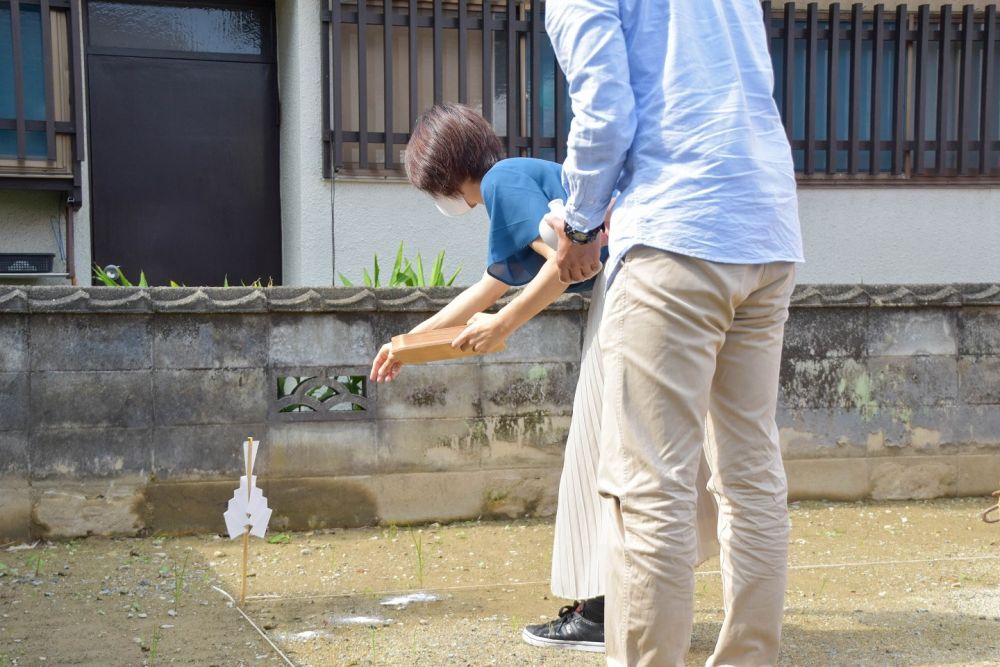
912 583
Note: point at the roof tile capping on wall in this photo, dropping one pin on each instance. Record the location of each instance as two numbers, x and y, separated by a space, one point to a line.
122 410
870 4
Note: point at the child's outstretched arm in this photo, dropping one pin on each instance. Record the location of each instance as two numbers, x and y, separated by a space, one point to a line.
474 299
486 332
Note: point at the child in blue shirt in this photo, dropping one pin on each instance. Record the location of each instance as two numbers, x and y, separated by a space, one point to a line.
455 156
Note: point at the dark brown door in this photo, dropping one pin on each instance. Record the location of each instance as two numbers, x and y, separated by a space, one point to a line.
184 140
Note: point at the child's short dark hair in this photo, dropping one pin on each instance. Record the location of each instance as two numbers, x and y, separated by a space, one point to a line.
450 144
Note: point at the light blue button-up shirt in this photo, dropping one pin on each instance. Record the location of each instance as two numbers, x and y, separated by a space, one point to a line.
672 105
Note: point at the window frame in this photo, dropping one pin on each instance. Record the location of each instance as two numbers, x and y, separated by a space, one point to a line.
975 82
60 169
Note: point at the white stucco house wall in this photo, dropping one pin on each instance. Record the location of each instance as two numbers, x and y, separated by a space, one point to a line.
856 231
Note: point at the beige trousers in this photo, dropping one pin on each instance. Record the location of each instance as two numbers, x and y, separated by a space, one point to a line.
578 558
683 337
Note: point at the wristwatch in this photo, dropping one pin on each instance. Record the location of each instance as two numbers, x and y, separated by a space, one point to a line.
581 238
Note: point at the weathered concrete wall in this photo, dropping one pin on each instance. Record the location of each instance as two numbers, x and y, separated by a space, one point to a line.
123 410
893 401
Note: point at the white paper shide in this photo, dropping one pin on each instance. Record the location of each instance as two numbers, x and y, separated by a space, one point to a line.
248 506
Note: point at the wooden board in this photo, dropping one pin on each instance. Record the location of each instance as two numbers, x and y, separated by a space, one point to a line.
420 348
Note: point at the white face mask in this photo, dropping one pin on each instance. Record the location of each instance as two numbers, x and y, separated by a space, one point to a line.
452 206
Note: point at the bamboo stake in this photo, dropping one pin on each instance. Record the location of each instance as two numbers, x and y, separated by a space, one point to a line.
246 554
246 528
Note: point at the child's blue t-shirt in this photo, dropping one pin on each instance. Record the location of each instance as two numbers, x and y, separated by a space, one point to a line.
517 192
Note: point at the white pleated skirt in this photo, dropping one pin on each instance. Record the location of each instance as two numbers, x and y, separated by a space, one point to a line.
577 553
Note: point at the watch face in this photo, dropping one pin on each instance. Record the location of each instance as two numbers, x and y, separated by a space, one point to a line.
579 237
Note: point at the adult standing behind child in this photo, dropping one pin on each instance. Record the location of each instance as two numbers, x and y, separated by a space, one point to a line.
455 157
673 107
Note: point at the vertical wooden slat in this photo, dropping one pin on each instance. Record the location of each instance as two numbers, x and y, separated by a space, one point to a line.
965 89
878 64
487 62
854 117
412 62
921 79
899 91
387 105
833 83
336 28
513 99
438 57
560 114
988 108
362 87
76 100
47 71
788 88
944 89
15 20
463 45
812 49
536 79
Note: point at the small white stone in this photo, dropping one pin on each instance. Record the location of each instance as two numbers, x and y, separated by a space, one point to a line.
171 612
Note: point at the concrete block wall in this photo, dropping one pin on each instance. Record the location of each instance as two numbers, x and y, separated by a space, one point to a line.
895 399
122 410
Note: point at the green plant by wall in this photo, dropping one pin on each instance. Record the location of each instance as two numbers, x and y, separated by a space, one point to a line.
116 278
406 273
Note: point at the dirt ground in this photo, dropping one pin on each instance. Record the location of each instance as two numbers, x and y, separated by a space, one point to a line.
876 584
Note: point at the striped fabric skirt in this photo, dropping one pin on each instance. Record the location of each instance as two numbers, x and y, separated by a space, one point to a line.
577 553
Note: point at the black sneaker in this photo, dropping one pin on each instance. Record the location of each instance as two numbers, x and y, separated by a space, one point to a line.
570 631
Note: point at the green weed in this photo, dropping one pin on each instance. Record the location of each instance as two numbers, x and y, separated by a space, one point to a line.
406 273
372 647
36 561
119 279
154 644
180 571
418 549
279 538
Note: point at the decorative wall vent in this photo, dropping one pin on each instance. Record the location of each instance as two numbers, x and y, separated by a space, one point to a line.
328 394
